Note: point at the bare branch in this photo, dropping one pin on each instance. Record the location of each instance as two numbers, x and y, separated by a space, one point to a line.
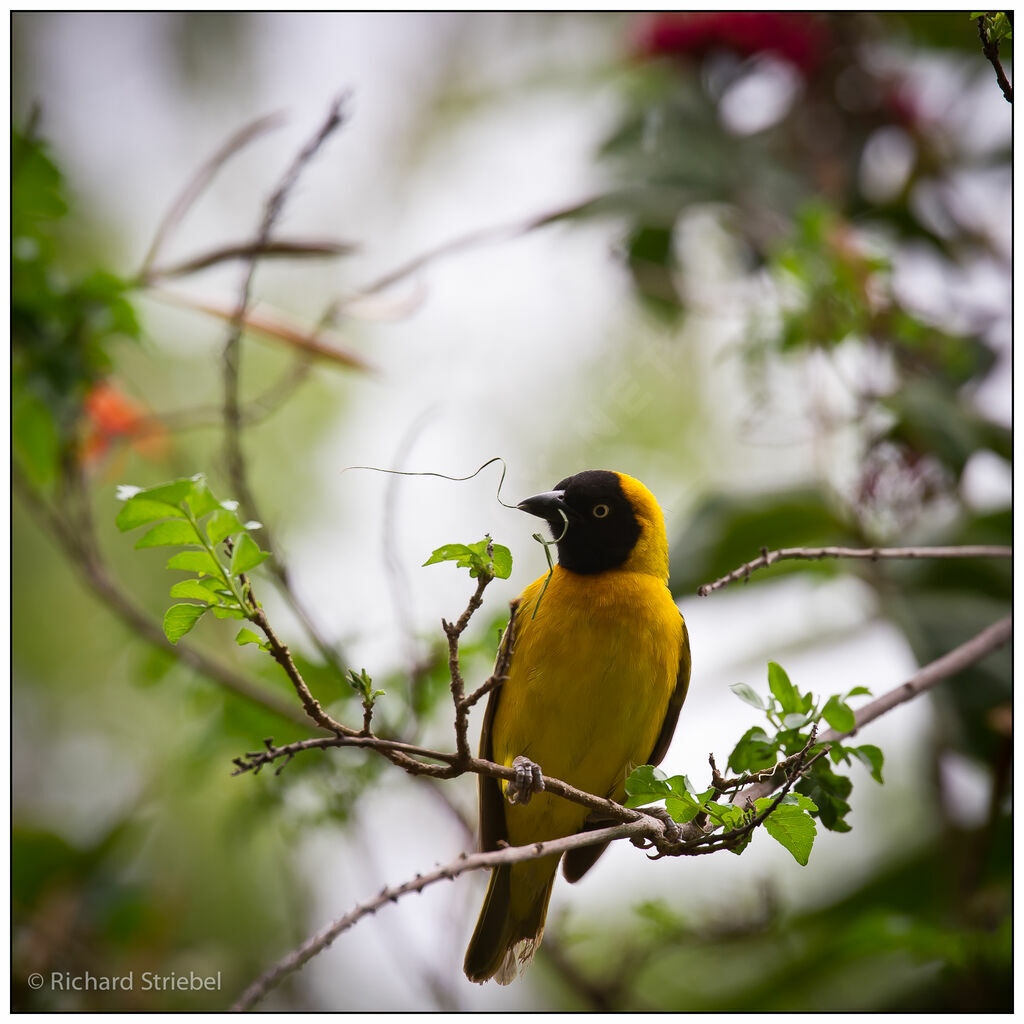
280 248
934 672
466 862
872 554
195 187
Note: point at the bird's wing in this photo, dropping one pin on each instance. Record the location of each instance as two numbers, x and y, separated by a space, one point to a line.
675 703
578 862
492 802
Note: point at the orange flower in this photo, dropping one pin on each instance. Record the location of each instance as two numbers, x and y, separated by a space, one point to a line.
111 416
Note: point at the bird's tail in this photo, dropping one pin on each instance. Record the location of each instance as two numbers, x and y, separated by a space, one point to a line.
511 922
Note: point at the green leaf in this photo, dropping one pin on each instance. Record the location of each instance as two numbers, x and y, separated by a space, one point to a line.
754 752
35 437
180 618
247 636
502 562
172 493
790 826
682 808
795 720
222 524
247 555
839 715
221 612
646 785
200 500
475 558
747 694
170 533
195 590
872 759
857 691
195 561
829 791
783 690
140 510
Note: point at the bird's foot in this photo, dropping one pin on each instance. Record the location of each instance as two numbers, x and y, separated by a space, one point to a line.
673 833
528 781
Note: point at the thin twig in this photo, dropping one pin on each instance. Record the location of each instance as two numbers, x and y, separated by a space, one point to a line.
934 672
391 894
195 187
872 554
990 47
250 251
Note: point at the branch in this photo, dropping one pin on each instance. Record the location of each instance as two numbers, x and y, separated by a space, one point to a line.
990 47
290 250
873 554
924 679
195 187
639 830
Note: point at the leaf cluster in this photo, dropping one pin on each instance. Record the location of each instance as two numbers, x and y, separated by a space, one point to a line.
215 548
484 558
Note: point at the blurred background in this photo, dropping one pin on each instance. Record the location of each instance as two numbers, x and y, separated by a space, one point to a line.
760 261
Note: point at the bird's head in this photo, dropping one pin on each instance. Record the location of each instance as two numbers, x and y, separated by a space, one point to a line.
604 520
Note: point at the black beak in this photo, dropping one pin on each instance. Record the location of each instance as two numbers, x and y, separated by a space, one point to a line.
546 505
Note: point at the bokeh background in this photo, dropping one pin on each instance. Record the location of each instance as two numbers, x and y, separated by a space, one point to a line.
760 261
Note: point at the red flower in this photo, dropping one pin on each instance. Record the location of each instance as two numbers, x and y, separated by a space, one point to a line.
798 38
112 416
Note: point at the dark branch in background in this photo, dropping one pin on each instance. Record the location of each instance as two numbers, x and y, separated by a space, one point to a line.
871 554
280 248
195 187
990 47
233 452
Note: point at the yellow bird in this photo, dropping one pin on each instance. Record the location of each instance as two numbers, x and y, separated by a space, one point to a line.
599 671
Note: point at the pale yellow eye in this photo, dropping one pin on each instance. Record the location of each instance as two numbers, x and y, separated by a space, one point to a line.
600 511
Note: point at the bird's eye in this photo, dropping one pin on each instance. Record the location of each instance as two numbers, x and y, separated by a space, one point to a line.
600 511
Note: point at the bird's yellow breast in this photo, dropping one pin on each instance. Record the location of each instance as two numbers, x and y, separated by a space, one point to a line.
588 688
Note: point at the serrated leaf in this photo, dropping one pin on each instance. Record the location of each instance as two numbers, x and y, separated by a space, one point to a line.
200 500
682 809
195 590
138 511
792 827
247 555
171 493
195 561
782 689
247 636
747 694
222 524
754 752
170 533
871 757
180 618
645 785
839 715
448 553
502 559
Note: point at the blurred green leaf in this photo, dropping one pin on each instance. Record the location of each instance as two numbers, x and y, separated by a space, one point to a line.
747 694
839 715
171 532
140 510
195 561
246 555
180 618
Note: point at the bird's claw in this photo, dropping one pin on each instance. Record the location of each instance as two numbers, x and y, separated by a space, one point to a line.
528 780
673 833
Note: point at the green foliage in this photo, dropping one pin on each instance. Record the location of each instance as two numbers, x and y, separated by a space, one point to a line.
484 558
63 326
363 685
178 509
997 25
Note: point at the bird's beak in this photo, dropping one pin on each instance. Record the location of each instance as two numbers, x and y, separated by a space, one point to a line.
546 505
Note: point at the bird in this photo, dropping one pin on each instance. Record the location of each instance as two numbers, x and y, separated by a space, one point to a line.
600 667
